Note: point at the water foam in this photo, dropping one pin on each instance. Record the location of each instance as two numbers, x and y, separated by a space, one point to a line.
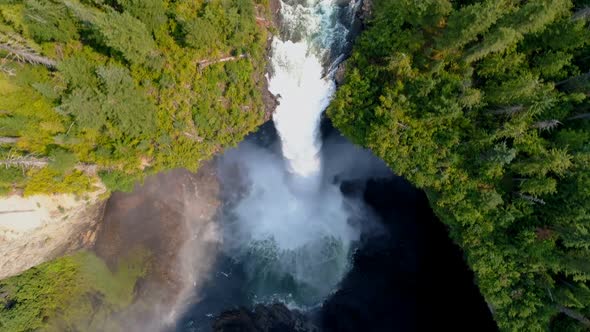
303 95
291 228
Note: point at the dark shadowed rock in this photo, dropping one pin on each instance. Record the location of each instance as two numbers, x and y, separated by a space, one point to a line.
340 74
264 318
366 11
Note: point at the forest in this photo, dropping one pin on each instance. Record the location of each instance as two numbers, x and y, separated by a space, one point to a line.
120 89
484 105
111 91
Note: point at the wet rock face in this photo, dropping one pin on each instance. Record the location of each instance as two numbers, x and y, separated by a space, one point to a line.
172 217
271 318
340 73
366 11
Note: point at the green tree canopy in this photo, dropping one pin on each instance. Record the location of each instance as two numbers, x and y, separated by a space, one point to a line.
485 107
122 89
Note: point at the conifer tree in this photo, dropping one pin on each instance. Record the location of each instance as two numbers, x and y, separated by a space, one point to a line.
492 122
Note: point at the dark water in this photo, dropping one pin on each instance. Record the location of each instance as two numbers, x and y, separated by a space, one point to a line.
412 278
407 275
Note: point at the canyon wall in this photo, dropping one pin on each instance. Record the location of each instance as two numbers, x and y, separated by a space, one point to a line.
39 228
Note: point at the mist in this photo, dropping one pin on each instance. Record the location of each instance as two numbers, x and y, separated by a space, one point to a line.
172 217
295 245
285 230
289 226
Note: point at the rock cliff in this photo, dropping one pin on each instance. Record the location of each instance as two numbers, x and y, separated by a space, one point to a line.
37 229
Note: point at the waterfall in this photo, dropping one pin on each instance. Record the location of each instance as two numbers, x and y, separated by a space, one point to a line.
311 31
303 95
290 228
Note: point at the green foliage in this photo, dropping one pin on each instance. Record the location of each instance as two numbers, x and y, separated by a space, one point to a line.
114 105
220 27
50 181
10 178
460 28
62 160
36 293
201 34
126 34
483 108
71 293
117 181
127 95
152 13
48 20
26 114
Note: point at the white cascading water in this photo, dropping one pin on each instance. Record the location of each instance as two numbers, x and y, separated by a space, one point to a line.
299 83
291 228
303 95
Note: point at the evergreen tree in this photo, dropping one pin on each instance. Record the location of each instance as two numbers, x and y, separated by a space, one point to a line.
115 85
49 20
492 122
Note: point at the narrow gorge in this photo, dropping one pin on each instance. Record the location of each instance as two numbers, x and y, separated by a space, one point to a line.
308 231
294 165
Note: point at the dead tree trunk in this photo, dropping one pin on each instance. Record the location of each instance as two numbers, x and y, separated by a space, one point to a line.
27 56
582 14
575 315
510 110
28 162
206 63
25 162
580 116
16 211
8 140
